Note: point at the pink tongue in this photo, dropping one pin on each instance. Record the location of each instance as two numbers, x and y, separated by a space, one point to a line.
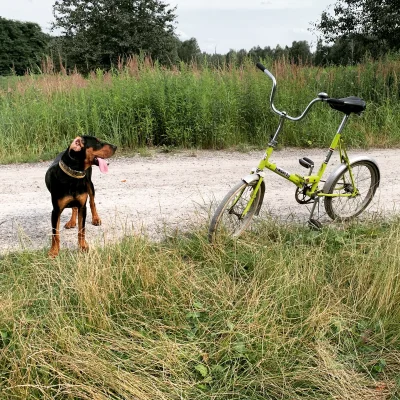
102 165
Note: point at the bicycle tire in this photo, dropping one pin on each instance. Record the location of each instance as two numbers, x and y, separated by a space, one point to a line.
227 218
366 177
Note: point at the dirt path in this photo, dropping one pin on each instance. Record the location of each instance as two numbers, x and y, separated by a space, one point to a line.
151 194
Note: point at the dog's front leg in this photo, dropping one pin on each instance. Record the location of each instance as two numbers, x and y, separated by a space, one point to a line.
55 238
81 225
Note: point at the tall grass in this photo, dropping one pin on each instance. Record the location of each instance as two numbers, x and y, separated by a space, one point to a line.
285 314
145 104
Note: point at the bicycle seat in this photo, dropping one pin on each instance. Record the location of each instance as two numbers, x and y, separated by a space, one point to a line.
348 105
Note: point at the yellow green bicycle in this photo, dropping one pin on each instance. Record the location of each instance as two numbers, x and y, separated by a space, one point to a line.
347 192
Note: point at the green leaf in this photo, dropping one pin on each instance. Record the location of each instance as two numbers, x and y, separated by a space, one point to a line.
198 305
202 369
4 334
193 315
230 325
239 347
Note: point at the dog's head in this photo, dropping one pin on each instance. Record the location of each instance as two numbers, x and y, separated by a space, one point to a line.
92 151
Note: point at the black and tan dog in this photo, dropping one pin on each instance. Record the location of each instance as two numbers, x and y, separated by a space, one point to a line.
69 180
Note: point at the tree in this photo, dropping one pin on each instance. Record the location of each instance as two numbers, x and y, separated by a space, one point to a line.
23 45
280 53
300 52
257 53
189 50
372 23
98 33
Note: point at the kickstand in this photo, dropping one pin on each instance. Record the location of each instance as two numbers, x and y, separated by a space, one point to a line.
314 224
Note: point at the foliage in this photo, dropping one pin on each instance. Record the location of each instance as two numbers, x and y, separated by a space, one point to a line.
189 51
366 25
283 313
23 45
144 104
98 34
300 52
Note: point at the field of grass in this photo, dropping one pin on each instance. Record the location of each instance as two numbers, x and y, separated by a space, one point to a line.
201 107
287 313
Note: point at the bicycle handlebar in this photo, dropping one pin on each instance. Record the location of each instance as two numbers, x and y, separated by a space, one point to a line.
321 97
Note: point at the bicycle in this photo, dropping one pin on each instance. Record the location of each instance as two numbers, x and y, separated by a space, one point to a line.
347 192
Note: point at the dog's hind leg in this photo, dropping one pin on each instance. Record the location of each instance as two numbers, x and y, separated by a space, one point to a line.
72 222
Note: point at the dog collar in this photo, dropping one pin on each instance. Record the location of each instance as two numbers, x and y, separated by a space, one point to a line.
71 172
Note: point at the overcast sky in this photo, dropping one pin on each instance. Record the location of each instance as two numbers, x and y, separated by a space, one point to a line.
218 25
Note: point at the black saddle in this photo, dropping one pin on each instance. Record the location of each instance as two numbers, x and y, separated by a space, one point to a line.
348 105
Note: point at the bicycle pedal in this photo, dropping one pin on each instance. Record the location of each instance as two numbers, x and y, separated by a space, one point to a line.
314 224
306 162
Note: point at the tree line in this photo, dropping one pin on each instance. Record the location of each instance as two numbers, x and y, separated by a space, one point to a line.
101 34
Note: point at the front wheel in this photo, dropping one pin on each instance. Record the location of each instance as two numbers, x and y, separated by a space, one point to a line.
350 201
231 218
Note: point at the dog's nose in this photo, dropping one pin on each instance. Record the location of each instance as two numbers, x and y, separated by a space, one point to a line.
114 147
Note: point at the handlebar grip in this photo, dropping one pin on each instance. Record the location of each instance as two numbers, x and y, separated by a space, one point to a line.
260 66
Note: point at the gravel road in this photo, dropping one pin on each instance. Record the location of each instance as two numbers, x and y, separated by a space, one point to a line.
151 195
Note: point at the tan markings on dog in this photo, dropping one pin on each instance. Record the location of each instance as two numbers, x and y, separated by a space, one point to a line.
62 203
81 231
81 199
105 152
72 222
96 220
55 241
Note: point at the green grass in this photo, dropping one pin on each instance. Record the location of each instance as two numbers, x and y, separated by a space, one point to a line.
148 105
287 313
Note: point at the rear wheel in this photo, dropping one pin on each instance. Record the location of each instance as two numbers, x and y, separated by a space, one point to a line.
228 219
366 181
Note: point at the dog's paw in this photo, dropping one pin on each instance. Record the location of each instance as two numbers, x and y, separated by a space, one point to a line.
70 224
53 253
96 221
84 246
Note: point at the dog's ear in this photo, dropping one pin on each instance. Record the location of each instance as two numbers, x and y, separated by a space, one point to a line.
76 144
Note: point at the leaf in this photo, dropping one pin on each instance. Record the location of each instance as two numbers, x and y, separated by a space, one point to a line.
193 315
198 305
202 369
239 347
379 366
230 325
4 334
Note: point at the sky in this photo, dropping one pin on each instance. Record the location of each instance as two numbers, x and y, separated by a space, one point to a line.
217 25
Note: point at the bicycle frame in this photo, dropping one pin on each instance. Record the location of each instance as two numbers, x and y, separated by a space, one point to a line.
312 180
309 182
347 191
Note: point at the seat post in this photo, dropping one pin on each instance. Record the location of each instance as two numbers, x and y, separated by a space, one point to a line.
343 124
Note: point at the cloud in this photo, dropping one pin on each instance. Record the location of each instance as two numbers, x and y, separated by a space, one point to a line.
240 4
301 30
182 35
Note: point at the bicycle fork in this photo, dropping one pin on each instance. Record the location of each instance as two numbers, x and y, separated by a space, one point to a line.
252 197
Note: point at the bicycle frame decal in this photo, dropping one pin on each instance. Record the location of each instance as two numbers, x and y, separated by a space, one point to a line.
282 172
329 155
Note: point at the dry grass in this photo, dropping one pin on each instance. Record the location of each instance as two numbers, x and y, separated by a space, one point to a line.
284 313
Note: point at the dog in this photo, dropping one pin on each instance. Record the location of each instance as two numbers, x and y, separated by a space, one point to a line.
69 181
